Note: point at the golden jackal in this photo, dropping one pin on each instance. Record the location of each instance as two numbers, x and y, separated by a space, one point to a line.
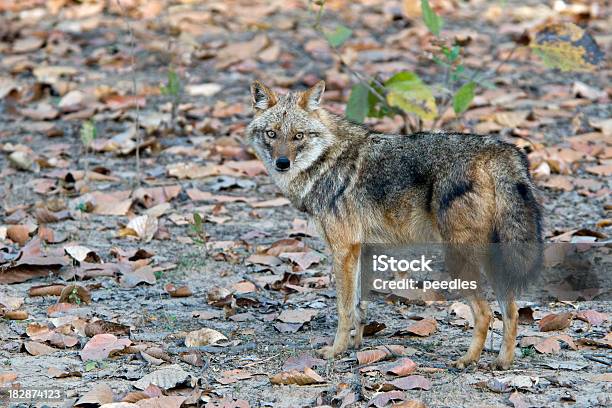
364 187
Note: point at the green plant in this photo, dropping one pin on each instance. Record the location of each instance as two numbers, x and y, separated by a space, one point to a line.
565 47
198 229
74 296
173 89
528 351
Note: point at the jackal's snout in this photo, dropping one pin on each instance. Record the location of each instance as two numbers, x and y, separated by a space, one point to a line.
282 163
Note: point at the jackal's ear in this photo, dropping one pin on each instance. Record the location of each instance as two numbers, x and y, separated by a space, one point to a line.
311 99
262 97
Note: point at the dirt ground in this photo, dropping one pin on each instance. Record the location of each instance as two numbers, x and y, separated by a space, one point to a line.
226 45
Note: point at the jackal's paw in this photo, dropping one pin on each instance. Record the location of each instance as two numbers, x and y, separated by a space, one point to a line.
501 364
463 362
329 352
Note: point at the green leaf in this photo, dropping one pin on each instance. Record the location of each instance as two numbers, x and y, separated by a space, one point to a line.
91 365
337 37
197 220
463 97
407 92
454 53
173 87
88 132
567 47
433 21
358 104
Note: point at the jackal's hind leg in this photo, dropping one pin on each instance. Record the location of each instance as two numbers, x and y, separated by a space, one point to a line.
359 322
482 318
506 352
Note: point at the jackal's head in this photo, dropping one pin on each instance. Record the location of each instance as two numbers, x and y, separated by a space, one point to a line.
288 131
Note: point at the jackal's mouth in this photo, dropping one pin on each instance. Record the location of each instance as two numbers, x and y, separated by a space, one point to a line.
281 170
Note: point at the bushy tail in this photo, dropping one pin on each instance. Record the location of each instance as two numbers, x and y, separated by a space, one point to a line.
517 247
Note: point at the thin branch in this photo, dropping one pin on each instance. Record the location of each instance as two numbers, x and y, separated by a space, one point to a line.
134 89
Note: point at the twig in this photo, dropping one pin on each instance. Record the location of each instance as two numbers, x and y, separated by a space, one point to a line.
134 89
213 349
597 360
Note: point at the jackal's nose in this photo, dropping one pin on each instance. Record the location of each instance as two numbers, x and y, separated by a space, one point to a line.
282 163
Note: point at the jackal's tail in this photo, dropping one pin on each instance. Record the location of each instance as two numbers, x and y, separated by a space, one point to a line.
517 244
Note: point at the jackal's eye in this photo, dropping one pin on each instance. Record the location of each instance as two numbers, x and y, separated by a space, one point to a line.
313 134
271 134
299 135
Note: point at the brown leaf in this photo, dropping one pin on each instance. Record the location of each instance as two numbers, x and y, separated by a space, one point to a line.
382 400
14 314
592 317
53 372
557 182
46 290
301 362
103 326
410 382
303 259
7 378
18 233
244 287
517 400
300 316
372 328
59 308
232 376
181 291
162 402
423 327
525 315
554 321
401 367
118 102
380 353
604 170
100 394
306 377
75 294
101 346
275 202
38 349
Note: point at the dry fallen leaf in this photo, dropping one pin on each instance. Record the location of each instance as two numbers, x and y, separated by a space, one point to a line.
143 227
592 317
300 316
203 337
423 327
38 349
181 291
102 345
410 382
380 353
165 378
81 253
306 377
554 321
100 394
75 294
103 326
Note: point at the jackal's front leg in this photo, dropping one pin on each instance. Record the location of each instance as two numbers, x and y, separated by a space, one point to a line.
344 266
